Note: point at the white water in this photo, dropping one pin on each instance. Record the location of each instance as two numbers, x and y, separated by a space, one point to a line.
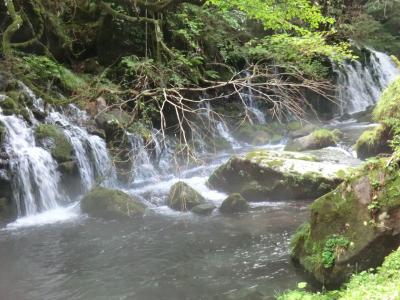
217 125
35 177
90 152
361 84
252 105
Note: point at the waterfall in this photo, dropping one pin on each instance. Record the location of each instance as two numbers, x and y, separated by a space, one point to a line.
90 150
360 84
252 105
35 178
217 125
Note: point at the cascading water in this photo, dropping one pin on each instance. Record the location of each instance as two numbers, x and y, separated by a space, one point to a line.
90 151
252 106
361 84
217 126
35 177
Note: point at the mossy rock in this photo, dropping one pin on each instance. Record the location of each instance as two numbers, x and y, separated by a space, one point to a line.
52 138
9 106
373 142
258 134
111 204
182 197
234 203
352 228
274 175
318 139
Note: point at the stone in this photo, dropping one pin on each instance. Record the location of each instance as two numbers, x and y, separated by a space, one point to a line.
182 197
276 175
52 138
352 228
234 203
111 204
318 139
374 142
203 209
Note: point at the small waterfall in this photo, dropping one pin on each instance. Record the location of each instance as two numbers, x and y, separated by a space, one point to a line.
90 150
35 177
217 126
252 106
361 84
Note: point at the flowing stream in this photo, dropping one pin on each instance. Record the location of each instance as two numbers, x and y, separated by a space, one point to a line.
55 252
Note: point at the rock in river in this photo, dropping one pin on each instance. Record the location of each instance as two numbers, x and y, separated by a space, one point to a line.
273 175
234 203
111 204
183 198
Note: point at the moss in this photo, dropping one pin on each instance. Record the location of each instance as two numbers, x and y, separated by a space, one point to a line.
234 203
9 106
382 283
140 129
44 70
182 197
326 136
52 137
108 203
387 110
373 142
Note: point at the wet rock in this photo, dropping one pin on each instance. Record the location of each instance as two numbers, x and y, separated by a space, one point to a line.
183 198
203 209
234 203
353 228
111 204
53 139
8 210
274 175
318 139
373 142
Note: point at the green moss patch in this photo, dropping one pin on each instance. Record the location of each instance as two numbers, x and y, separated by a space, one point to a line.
53 138
111 204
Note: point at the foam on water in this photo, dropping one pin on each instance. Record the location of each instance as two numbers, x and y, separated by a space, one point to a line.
57 215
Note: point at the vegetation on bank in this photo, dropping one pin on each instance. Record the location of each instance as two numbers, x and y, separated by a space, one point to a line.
382 283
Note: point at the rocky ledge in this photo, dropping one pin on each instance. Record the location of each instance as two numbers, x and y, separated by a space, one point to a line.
272 175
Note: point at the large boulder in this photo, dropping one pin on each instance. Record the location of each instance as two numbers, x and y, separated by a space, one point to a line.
318 139
276 175
352 228
373 142
234 203
183 198
111 204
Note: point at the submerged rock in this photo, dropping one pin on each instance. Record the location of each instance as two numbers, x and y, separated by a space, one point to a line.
318 139
234 203
183 198
111 204
274 175
373 142
352 228
203 209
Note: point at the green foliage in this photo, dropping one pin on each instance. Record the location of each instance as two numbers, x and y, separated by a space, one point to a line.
41 69
326 136
332 248
283 15
382 283
387 110
303 52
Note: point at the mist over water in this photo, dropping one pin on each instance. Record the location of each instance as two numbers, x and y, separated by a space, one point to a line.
53 251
